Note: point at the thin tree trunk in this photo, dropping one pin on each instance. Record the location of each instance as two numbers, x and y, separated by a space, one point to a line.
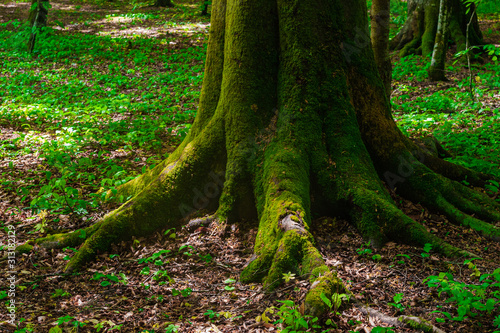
37 19
380 19
436 70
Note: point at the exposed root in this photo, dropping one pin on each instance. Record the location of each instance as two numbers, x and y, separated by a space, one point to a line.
460 204
199 222
401 321
431 154
378 215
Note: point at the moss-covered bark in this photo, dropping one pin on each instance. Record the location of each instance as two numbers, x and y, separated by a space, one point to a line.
419 32
380 22
291 126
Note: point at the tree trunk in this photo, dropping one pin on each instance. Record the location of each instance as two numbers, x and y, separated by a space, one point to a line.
37 19
380 21
163 3
419 31
436 70
204 8
293 124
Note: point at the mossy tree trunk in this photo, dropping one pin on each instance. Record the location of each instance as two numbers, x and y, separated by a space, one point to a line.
419 31
291 126
380 21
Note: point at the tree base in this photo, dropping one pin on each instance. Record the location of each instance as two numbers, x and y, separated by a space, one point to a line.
418 34
286 132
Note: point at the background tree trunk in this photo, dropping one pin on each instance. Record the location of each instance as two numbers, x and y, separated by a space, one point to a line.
380 21
163 3
204 8
436 70
37 19
419 31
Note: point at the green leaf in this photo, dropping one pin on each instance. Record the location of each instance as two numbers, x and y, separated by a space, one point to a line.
326 300
55 329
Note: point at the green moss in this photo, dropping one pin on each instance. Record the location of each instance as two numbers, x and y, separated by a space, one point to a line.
327 284
25 248
418 324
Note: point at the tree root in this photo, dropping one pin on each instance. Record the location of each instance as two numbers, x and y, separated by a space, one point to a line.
463 206
401 321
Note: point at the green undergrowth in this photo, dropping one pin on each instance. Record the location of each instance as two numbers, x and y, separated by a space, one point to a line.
91 111
468 124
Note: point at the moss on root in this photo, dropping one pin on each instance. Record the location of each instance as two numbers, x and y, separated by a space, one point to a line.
327 284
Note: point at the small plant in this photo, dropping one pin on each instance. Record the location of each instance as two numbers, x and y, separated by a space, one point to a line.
156 258
43 223
293 320
470 264
397 302
206 258
401 261
288 277
60 293
364 250
229 283
172 328
108 278
212 314
184 292
427 249
188 251
336 301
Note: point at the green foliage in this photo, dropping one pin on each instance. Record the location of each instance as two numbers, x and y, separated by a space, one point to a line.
294 321
184 292
466 128
411 67
229 283
364 250
109 278
156 258
427 249
171 328
470 299
397 302
379 329
211 314
60 293
103 102
336 300
288 277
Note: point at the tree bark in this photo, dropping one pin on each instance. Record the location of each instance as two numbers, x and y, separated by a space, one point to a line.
419 31
293 123
436 70
380 21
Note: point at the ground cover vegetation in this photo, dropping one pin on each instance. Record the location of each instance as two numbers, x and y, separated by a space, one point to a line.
111 89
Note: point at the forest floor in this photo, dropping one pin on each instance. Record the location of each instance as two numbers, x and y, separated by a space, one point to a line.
88 110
